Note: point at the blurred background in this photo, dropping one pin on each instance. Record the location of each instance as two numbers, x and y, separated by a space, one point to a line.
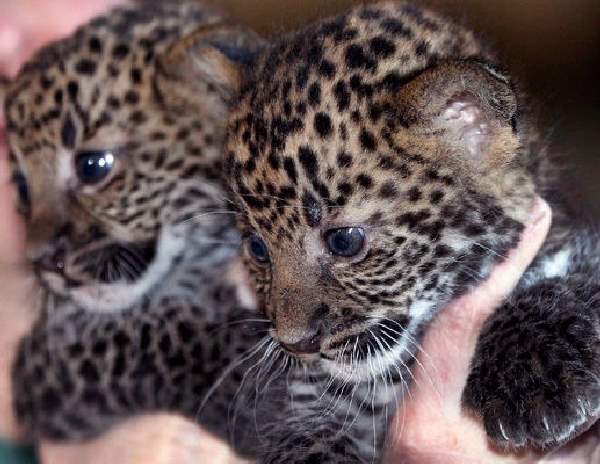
551 46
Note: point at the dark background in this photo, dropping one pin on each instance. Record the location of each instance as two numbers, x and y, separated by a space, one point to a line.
551 46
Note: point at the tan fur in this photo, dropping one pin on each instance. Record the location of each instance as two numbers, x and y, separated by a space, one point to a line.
137 84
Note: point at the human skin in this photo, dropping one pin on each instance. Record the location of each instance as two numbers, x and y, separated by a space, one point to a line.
430 427
25 25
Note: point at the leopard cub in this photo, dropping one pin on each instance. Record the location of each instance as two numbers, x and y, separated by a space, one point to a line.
383 163
115 137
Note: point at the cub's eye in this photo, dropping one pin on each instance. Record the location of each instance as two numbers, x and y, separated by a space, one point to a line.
345 241
92 166
258 249
22 188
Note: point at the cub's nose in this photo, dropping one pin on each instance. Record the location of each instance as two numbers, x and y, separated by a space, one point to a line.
309 343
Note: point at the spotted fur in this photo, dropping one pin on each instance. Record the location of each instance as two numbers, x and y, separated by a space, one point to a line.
391 118
133 267
119 84
185 344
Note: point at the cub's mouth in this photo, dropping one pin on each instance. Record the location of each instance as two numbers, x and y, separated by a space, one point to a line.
105 275
363 348
375 338
103 262
117 262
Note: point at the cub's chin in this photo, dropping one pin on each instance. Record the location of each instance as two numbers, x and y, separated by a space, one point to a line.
381 366
371 356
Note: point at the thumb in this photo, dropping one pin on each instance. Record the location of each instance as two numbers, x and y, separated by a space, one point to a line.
452 337
430 417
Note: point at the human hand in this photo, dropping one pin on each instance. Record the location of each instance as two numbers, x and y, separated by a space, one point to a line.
26 25
16 290
430 426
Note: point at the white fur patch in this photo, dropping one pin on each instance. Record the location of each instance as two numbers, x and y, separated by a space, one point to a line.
421 310
119 296
372 366
386 359
556 265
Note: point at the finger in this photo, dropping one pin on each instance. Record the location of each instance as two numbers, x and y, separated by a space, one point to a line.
431 418
419 456
451 339
473 309
156 439
22 33
15 286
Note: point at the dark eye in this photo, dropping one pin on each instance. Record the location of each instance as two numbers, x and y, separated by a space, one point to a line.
22 188
345 241
258 249
92 166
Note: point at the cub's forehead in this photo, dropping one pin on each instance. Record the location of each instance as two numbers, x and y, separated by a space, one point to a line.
315 97
140 25
311 138
357 54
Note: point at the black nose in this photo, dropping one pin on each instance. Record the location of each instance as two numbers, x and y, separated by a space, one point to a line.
310 344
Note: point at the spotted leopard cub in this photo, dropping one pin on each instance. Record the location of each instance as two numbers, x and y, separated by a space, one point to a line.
115 136
383 164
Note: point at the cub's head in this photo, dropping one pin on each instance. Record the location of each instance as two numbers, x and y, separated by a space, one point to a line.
377 160
115 140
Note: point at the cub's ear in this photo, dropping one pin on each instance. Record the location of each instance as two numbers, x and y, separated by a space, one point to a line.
469 103
204 70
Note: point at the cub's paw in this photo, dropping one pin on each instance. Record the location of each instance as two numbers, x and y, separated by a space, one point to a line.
535 377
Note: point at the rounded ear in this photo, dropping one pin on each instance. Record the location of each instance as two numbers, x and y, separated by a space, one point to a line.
205 69
471 103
